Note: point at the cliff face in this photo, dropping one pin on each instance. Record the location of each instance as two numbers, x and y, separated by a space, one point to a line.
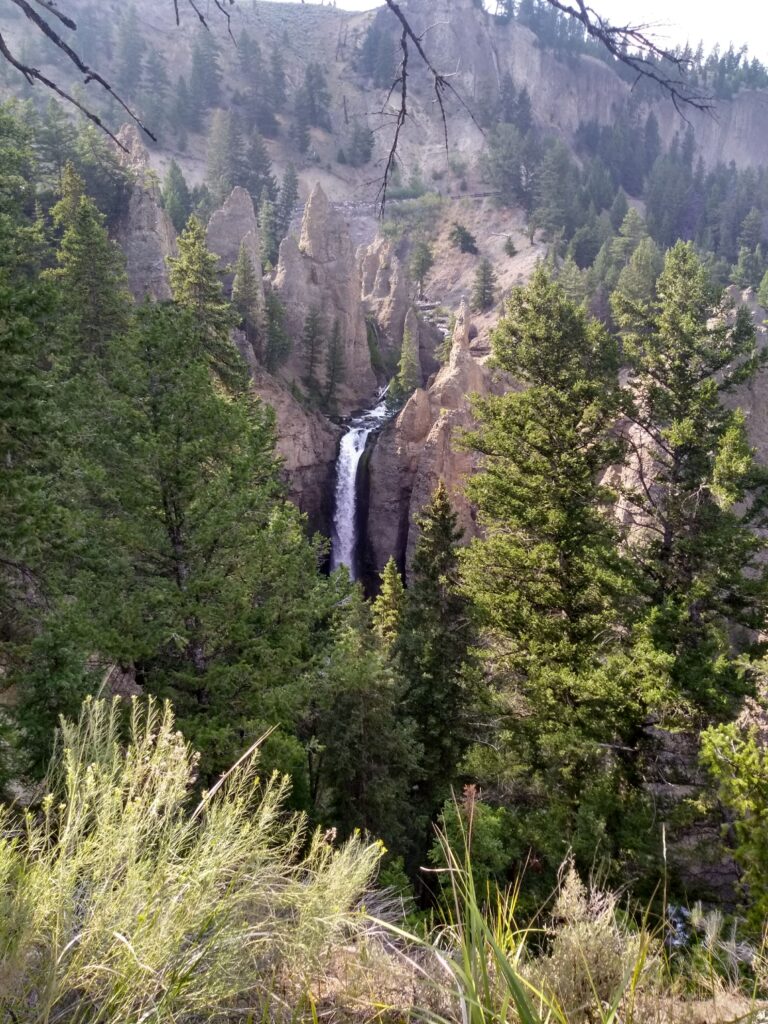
146 234
320 273
418 449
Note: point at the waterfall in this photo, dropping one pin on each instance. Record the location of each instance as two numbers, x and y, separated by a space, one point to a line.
344 540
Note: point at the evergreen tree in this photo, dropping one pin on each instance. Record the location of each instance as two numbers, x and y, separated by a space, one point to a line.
225 156
431 651
387 609
334 372
637 280
484 289
196 286
289 195
186 114
762 291
698 551
300 131
422 259
748 270
155 91
364 752
278 346
176 198
200 534
54 144
550 586
572 281
270 243
129 53
246 301
205 75
276 79
312 343
90 271
257 176
408 376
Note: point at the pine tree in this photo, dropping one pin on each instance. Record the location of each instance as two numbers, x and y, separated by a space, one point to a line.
364 752
572 281
431 651
90 271
257 176
312 343
637 280
129 53
387 609
55 143
186 114
225 156
334 372
550 586
278 346
276 80
196 287
270 244
289 195
205 76
300 131
176 198
422 259
155 93
762 291
698 551
246 300
408 376
195 520
483 293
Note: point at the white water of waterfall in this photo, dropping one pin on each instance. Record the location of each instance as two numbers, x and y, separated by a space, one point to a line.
344 540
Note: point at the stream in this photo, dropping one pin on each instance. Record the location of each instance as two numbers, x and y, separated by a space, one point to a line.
345 527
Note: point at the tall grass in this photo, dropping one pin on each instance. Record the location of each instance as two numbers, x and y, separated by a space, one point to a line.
589 967
120 901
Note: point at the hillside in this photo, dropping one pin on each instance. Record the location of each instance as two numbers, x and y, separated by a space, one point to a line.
452 515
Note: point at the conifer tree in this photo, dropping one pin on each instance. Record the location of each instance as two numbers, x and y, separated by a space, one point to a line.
387 609
205 75
698 550
196 286
572 280
483 293
312 343
177 200
270 244
408 376
257 174
225 156
278 346
300 130
155 93
186 115
550 586
334 372
289 195
422 260
431 651
276 80
762 291
55 143
194 517
364 752
246 300
90 271
129 52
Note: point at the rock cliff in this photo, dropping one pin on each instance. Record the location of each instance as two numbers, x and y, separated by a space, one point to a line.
320 273
145 233
418 449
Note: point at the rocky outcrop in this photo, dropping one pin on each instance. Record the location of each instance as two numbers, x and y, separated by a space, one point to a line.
418 449
320 273
307 443
230 227
385 294
145 232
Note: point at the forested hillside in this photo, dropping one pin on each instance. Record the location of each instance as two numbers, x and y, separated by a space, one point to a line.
447 515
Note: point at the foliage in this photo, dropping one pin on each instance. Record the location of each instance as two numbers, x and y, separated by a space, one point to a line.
246 299
463 239
177 200
484 288
123 899
387 609
408 376
422 260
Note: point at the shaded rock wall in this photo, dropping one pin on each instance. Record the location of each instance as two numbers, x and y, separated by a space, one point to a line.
321 273
145 234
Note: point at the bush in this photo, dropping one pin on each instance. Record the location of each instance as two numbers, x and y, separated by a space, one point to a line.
121 901
463 239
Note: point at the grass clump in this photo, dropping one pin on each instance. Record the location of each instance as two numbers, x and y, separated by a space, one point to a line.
121 899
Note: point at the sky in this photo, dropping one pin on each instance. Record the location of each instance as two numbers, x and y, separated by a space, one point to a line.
713 21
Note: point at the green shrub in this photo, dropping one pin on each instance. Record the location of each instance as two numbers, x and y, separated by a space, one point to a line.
123 901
